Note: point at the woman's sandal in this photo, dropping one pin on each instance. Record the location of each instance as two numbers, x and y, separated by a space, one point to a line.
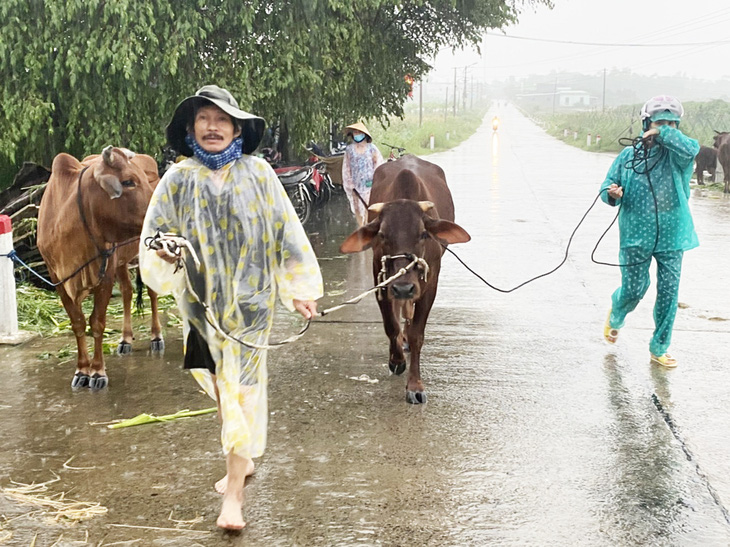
665 360
609 333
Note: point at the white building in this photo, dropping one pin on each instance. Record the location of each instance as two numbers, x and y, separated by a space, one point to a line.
562 99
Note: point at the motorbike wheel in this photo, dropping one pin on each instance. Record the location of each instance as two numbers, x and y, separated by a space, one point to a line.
301 199
323 196
326 189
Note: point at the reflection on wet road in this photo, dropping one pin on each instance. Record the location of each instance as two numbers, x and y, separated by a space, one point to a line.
535 433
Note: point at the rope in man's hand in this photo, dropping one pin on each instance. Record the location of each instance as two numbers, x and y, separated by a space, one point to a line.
171 246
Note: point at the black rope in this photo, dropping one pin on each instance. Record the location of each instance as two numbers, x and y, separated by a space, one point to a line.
13 255
642 149
360 197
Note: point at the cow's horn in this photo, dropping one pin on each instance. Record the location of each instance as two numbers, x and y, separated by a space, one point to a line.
376 208
425 205
106 155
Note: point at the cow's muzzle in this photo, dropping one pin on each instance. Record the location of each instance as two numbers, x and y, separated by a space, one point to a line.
403 291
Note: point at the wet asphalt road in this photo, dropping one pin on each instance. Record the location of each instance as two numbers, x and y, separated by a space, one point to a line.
536 432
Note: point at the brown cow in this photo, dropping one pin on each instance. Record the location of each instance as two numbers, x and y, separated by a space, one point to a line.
706 160
722 143
88 208
411 216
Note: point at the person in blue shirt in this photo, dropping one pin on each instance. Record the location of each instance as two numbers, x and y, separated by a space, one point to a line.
650 183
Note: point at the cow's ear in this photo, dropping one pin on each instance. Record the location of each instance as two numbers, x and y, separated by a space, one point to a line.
361 239
446 231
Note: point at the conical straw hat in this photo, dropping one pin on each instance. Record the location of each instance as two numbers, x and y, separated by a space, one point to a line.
359 127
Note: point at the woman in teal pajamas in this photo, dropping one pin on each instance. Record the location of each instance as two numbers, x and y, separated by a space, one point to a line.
654 220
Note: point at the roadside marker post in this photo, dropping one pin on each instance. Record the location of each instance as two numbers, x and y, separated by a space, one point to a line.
9 333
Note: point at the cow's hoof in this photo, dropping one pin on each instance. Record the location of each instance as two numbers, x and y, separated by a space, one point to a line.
98 381
157 346
416 397
124 348
80 380
397 369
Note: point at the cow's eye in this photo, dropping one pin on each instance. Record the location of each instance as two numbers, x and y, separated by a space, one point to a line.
128 183
425 235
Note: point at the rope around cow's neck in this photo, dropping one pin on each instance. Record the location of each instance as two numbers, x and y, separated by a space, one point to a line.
102 252
13 255
173 245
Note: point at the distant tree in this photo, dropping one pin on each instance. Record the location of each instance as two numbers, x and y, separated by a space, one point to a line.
80 74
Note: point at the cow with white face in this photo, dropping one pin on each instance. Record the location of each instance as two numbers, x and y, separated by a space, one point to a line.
411 220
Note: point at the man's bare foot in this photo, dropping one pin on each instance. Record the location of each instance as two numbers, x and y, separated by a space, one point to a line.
231 517
222 485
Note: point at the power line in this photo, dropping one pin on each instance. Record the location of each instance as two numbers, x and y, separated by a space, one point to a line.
606 44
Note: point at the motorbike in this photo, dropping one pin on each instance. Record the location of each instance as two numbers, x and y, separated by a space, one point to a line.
309 186
296 182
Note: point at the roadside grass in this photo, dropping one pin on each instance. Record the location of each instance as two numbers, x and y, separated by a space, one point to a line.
41 311
700 121
448 130
573 128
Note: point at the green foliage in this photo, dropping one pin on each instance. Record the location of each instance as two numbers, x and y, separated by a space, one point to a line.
80 74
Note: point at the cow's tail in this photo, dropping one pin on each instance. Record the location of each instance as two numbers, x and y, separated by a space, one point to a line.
139 303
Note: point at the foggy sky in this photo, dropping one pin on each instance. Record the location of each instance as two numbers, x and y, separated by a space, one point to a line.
604 21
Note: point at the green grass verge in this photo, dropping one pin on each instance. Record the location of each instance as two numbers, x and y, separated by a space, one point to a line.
448 130
701 121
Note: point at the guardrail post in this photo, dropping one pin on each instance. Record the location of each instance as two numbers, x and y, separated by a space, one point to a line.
9 333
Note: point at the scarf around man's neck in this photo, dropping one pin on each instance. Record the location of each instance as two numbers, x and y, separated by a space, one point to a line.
216 161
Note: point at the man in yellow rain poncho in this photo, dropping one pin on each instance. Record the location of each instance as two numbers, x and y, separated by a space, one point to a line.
651 184
232 209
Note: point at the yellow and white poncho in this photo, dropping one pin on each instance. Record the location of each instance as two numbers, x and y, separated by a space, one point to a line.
251 245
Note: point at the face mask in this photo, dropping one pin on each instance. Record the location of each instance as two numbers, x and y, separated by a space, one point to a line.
359 138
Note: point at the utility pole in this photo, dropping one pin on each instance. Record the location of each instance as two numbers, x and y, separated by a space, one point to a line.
420 103
454 92
603 109
446 103
465 84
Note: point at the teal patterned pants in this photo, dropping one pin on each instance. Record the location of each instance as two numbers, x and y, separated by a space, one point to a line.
634 284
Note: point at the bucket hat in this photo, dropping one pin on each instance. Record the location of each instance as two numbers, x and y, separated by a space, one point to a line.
252 127
358 127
